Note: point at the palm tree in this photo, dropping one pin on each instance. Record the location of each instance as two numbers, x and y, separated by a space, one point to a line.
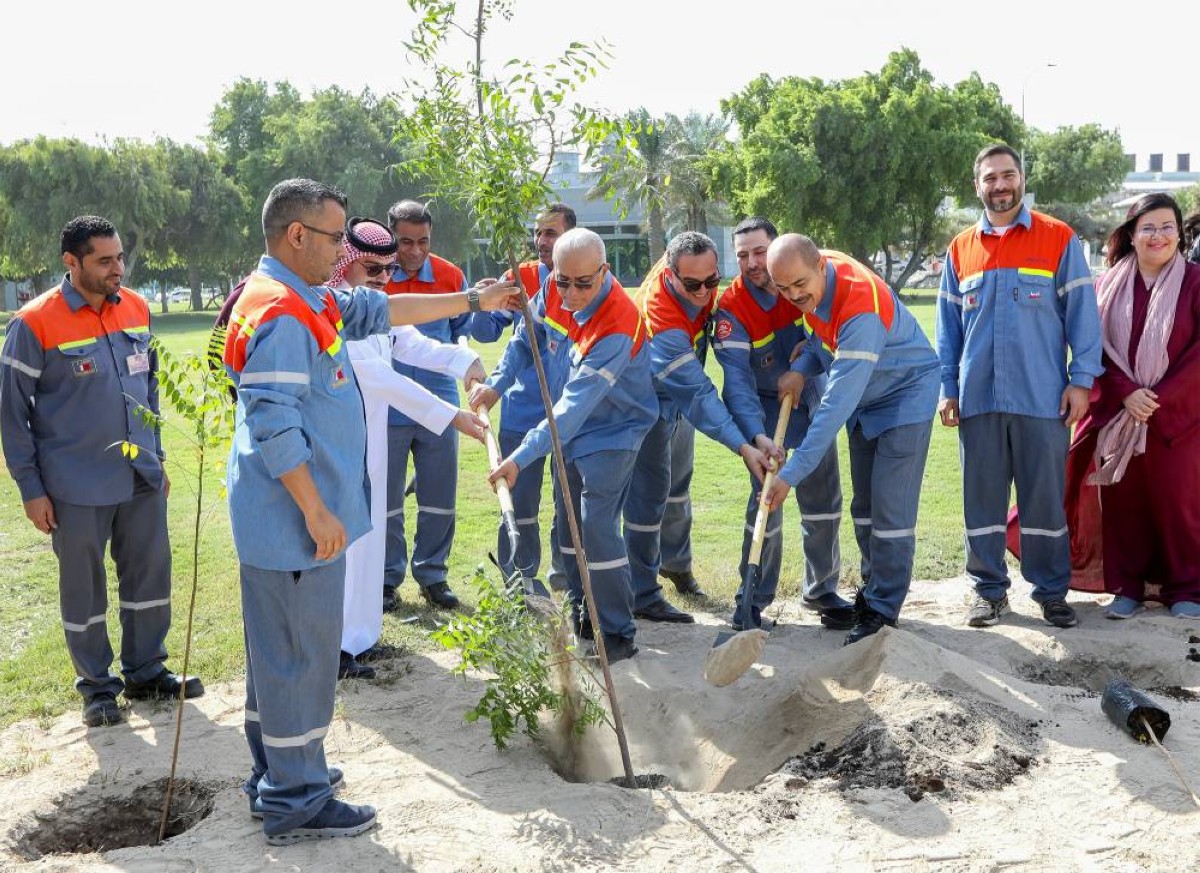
641 177
693 140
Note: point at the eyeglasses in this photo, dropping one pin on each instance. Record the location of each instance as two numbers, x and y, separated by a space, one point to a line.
1149 231
692 286
374 270
338 237
582 283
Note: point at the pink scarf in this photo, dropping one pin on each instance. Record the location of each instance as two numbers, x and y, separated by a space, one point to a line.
1124 436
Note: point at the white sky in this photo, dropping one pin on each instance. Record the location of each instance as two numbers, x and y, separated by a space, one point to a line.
140 69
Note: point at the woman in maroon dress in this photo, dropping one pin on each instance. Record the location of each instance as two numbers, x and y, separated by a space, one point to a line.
1141 439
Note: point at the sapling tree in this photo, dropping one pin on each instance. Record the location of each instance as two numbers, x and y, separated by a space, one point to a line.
485 143
198 394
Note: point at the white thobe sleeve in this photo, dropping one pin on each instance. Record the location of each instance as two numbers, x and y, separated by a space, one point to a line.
410 346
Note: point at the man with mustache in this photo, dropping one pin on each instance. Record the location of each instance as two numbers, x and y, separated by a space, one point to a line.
883 388
1016 292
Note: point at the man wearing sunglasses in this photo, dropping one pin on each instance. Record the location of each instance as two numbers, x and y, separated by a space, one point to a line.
754 338
434 456
597 341
370 255
677 301
521 406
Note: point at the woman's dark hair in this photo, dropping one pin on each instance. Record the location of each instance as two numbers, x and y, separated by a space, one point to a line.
1120 241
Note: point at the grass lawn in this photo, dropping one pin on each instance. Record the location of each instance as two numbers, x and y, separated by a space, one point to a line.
35 673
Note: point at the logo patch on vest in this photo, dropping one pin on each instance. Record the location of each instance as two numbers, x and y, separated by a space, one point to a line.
724 329
971 301
84 367
340 377
766 361
551 345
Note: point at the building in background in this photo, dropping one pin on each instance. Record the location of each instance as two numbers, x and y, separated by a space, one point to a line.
624 236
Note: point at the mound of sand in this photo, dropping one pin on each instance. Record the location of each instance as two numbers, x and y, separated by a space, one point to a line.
933 746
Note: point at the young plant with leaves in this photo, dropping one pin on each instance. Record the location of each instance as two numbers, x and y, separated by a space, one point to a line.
526 673
199 395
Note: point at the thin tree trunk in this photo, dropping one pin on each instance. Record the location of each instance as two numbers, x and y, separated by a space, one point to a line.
657 233
194 282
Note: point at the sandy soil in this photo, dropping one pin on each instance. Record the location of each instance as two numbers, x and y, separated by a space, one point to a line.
933 747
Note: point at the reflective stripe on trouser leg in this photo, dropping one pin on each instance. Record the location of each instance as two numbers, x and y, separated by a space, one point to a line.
644 512
819 497
899 463
599 486
142 554
772 553
400 444
862 467
79 542
527 501
435 464
293 625
1039 472
253 729
985 453
675 538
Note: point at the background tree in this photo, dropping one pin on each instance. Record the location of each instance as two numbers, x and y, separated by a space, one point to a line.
639 177
208 227
864 164
268 134
1074 164
47 182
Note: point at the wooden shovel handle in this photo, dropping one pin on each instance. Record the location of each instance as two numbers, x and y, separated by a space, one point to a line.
493 453
760 520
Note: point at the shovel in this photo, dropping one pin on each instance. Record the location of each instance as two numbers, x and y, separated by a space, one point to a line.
733 652
508 514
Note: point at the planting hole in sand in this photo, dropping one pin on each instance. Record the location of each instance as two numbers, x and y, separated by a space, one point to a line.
1091 673
897 712
98 819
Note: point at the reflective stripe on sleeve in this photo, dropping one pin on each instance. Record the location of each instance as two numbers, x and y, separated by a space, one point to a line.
281 377
20 366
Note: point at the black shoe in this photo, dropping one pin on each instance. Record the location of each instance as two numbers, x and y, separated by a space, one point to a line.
661 610
379 652
349 668
1059 613
684 582
736 622
616 648
390 603
102 710
440 595
164 686
866 623
836 612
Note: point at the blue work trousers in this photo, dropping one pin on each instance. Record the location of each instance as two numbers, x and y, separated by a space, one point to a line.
293 631
886 476
137 529
435 464
675 539
998 450
599 486
644 511
819 498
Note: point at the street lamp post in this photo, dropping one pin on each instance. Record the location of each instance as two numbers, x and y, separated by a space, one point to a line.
1024 130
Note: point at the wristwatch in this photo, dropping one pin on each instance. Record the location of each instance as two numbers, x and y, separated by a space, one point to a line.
473 300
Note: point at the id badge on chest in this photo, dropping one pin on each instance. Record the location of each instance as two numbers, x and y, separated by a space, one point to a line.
138 363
